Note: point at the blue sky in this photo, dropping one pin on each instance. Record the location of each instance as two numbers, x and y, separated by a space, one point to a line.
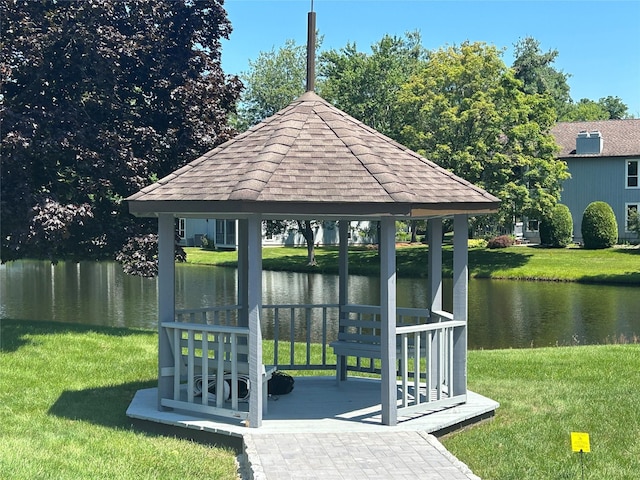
598 40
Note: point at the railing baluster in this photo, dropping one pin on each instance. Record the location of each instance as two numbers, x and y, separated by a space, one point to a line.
190 365
441 352
276 335
429 369
292 335
205 368
220 374
308 321
405 369
450 365
324 335
416 366
177 362
234 370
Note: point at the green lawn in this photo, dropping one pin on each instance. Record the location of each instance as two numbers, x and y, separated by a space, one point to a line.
545 394
613 265
64 391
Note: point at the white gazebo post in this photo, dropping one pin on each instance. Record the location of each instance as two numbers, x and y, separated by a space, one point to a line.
243 272
343 275
388 320
166 302
434 227
435 291
254 307
460 302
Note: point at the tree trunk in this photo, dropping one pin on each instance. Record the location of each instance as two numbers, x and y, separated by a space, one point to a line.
413 225
307 233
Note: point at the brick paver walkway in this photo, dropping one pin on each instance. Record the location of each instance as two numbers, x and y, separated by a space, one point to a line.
351 455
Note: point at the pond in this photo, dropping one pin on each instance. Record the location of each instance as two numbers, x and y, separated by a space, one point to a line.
502 314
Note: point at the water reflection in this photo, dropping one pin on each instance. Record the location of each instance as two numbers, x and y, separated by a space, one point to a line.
501 313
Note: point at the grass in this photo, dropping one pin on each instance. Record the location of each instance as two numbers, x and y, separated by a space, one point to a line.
544 395
613 265
64 391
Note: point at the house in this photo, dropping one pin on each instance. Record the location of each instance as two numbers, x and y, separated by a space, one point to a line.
603 159
196 232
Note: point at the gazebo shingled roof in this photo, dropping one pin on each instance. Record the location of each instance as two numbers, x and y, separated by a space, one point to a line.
311 158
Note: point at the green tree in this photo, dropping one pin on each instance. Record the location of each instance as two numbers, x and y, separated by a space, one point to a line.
607 108
616 108
585 111
599 226
366 86
98 100
467 112
274 80
535 69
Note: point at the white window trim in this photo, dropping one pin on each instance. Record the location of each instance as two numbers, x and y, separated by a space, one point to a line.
626 174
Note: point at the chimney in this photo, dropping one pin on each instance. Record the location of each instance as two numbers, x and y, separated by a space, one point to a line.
589 143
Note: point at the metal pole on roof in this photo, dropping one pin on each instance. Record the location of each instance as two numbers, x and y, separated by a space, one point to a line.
311 50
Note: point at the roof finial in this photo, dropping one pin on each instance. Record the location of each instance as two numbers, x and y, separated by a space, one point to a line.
311 50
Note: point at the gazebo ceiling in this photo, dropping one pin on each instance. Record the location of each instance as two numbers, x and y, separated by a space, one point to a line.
311 159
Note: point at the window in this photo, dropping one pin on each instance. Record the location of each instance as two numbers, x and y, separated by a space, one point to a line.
631 208
181 228
225 232
632 174
533 225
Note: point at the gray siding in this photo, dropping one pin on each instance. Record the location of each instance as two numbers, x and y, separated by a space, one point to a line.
599 179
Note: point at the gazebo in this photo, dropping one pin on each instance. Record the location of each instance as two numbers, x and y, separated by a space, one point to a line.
313 161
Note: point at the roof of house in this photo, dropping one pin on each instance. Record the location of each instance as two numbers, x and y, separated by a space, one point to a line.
312 158
619 137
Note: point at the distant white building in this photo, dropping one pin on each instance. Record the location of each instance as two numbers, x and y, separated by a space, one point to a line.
223 234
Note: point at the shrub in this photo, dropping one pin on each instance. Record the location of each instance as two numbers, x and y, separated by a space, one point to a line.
557 230
503 241
477 243
634 222
599 226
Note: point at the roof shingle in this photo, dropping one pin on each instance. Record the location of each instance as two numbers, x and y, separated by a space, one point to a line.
619 137
312 153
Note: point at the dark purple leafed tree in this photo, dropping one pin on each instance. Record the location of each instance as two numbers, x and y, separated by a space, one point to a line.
98 99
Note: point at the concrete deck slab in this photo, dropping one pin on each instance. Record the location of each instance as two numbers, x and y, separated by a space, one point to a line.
342 424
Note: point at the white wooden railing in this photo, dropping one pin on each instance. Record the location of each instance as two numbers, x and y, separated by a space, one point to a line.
208 342
205 353
427 353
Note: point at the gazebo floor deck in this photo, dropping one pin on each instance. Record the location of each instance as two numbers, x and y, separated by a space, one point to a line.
318 404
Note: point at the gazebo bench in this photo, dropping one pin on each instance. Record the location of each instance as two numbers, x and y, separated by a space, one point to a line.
359 336
350 348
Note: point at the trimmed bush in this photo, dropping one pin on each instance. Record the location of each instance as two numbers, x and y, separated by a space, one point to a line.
599 226
557 230
503 241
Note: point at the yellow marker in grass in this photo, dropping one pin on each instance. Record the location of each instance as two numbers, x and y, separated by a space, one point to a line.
580 442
